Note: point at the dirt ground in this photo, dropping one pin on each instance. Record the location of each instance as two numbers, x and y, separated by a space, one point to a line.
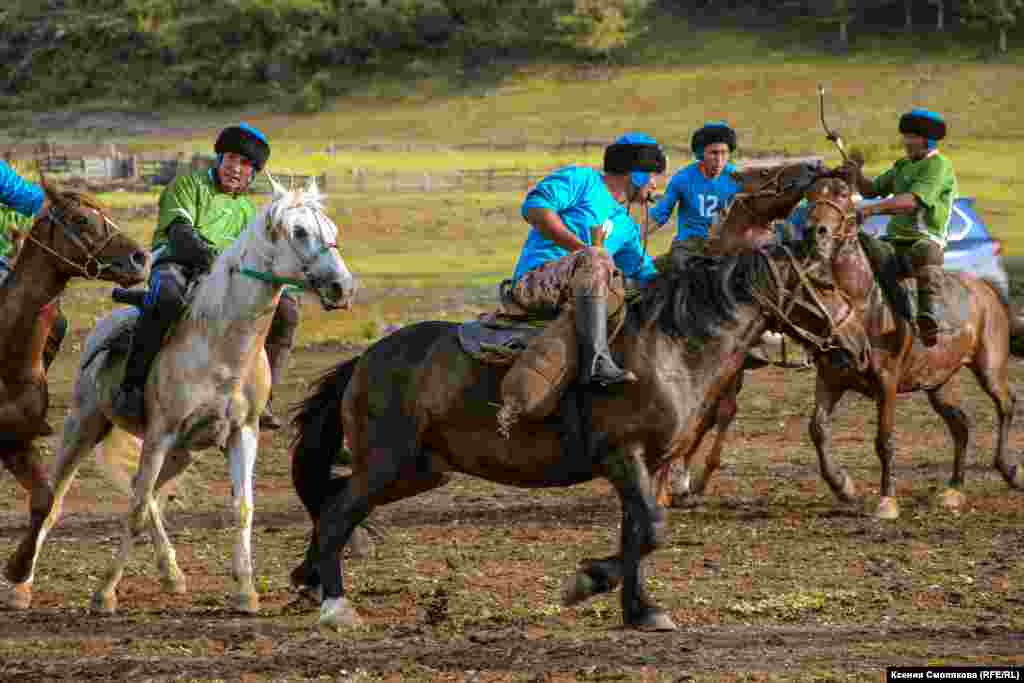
769 579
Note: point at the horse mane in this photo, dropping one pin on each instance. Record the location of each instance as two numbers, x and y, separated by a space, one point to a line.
694 300
209 299
83 198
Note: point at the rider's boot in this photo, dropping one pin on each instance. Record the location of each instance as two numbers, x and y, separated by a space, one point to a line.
929 303
596 364
278 355
149 332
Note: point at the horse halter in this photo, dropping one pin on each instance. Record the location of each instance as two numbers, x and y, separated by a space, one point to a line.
848 217
804 295
91 267
304 264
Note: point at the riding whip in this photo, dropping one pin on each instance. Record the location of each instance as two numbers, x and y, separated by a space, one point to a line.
830 134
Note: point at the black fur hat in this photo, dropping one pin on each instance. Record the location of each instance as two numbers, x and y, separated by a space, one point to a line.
245 140
709 134
622 158
925 123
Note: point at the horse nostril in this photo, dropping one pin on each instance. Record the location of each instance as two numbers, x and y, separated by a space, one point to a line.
138 258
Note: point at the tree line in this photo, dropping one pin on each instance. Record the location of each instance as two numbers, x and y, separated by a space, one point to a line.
156 53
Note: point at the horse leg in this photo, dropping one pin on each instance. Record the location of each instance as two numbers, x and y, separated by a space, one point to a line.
391 470
83 429
944 403
154 450
242 449
888 508
171 577
727 408
826 398
643 525
989 368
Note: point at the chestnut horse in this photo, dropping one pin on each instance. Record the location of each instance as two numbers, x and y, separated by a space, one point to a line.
415 407
75 238
975 335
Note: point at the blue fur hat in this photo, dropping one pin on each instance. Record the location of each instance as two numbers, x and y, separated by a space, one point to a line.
709 134
635 153
925 123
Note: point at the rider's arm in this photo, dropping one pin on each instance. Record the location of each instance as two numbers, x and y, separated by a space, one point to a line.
24 197
551 226
188 246
629 257
662 211
901 203
540 209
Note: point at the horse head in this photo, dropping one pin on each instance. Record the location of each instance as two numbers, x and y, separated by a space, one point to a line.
831 218
767 194
303 246
84 241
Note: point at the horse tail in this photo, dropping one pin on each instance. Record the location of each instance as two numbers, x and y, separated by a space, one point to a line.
320 437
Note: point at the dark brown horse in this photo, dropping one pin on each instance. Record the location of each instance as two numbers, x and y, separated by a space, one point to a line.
896 362
74 238
415 408
769 194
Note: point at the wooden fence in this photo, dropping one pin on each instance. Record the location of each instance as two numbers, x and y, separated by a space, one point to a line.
139 171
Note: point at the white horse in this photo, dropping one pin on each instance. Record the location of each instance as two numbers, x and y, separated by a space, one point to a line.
207 386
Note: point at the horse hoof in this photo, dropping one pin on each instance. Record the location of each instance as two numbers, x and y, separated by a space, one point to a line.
104 603
848 494
19 597
654 620
314 594
952 500
576 589
888 508
337 613
248 603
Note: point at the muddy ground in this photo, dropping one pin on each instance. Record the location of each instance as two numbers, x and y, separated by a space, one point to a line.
769 579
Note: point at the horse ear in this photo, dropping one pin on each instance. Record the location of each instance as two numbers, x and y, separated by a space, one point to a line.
278 188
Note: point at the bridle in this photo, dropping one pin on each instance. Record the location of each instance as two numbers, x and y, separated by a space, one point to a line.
801 294
849 218
305 264
91 268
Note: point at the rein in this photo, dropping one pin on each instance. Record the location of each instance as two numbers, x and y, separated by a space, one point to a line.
91 268
783 309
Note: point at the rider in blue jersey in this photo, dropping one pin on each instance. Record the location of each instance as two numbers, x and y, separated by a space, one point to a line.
700 190
560 266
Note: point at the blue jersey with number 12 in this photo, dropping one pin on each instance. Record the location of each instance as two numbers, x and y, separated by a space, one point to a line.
700 199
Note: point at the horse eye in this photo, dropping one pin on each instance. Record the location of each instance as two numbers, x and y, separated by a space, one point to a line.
301 233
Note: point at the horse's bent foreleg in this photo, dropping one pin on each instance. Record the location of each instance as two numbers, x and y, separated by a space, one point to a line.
989 368
944 403
25 464
82 431
242 449
154 451
727 408
826 398
171 576
643 527
888 508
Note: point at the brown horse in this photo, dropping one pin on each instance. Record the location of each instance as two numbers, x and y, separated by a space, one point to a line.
977 336
897 362
415 407
769 194
73 239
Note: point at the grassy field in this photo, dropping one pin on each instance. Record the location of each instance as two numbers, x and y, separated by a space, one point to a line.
416 250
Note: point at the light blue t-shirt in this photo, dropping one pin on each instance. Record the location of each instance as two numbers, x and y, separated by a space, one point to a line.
582 200
699 199
24 197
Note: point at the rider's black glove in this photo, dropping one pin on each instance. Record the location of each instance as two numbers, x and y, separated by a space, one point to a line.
188 247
